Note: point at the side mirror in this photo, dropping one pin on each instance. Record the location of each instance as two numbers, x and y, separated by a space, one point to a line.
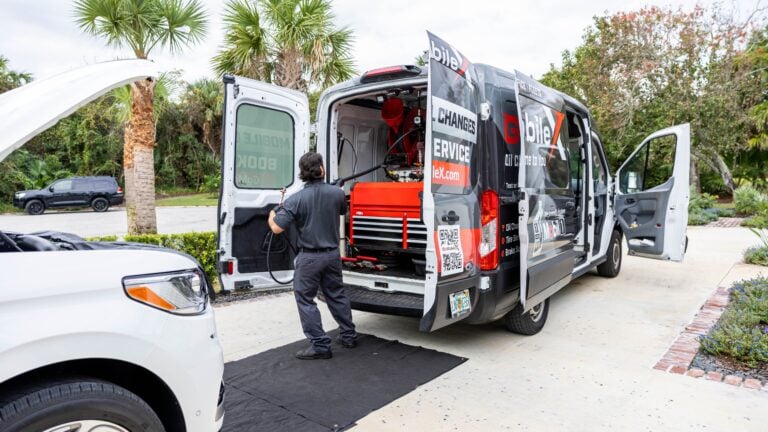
50 188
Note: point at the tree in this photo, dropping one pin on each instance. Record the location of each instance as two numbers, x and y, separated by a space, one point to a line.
202 102
644 70
10 79
291 43
141 26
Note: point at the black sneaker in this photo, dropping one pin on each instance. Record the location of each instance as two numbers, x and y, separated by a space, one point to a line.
346 343
311 354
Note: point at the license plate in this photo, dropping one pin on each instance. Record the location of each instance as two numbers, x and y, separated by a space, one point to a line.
460 303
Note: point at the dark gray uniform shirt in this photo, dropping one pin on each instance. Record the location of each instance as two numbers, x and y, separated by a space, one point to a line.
315 210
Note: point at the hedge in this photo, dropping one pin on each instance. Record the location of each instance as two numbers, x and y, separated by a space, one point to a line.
201 245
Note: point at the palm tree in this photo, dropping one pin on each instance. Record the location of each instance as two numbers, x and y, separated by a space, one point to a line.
202 102
10 79
291 43
141 26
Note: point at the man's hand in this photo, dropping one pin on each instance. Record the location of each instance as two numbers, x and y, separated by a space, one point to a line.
272 225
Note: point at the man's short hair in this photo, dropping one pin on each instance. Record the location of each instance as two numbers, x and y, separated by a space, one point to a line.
310 167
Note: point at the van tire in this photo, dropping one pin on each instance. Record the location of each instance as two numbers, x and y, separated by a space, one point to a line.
57 404
34 207
612 265
527 323
100 204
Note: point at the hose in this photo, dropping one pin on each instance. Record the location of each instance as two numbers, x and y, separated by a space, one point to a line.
341 181
269 252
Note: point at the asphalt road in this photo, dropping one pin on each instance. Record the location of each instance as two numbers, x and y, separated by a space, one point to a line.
590 369
87 223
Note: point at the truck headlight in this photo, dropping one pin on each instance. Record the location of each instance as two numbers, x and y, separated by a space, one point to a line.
181 293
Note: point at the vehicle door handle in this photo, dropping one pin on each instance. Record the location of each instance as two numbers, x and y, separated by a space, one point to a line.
630 201
451 217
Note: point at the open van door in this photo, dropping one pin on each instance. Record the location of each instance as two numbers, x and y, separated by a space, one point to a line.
651 200
547 200
450 209
266 130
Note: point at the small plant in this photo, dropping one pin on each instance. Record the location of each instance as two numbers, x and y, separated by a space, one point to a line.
701 208
749 201
742 332
758 254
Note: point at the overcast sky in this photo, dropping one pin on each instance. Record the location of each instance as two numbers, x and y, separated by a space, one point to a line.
40 36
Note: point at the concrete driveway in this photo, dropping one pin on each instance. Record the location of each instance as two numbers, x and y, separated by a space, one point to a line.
590 369
87 223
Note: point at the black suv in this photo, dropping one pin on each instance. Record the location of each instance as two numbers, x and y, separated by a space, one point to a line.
97 192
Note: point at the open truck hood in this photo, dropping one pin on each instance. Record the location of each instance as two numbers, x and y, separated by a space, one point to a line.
30 109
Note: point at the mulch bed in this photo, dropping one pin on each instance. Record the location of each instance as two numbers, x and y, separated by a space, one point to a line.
727 366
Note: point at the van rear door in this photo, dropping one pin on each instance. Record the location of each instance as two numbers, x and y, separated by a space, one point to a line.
266 130
450 200
546 199
651 201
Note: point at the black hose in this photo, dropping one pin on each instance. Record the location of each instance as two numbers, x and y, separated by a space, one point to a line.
269 251
341 181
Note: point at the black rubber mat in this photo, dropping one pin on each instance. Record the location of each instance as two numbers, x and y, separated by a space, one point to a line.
273 391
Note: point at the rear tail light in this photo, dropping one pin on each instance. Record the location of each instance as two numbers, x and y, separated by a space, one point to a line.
489 231
119 189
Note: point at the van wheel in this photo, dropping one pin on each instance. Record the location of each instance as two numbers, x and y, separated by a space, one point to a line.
612 265
34 207
81 405
527 323
100 204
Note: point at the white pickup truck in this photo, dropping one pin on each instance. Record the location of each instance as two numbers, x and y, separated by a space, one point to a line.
99 336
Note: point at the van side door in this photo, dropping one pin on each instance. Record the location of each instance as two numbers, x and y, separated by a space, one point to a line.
651 200
450 207
266 130
546 199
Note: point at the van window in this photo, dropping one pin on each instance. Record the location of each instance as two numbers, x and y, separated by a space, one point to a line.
264 141
650 166
551 169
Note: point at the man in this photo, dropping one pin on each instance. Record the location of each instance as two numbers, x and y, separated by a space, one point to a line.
315 211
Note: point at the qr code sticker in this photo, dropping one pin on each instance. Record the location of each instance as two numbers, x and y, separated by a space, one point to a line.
451 255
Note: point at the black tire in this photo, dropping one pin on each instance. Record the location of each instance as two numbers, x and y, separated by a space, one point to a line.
59 404
34 207
100 204
527 323
612 265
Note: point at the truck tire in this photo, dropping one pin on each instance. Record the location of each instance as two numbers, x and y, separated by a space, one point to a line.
527 323
612 265
34 207
100 204
78 405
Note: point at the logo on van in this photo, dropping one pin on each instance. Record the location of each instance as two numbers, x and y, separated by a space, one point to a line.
449 57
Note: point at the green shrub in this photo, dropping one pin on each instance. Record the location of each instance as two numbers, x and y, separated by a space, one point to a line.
201 245
701 201
725 212
748 200
701 217
757 221
107 238
757 255
742 331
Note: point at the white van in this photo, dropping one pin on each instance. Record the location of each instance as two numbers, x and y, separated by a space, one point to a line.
474 193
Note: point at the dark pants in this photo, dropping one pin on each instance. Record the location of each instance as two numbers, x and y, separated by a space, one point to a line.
321 270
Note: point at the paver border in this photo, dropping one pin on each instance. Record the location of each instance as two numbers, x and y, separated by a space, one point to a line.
679 356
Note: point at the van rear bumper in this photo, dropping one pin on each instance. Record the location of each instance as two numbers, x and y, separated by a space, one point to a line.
390 303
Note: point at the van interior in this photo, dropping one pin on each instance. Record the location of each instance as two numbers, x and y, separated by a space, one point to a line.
380 150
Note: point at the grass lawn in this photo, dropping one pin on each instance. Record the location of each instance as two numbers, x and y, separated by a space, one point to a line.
201 199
